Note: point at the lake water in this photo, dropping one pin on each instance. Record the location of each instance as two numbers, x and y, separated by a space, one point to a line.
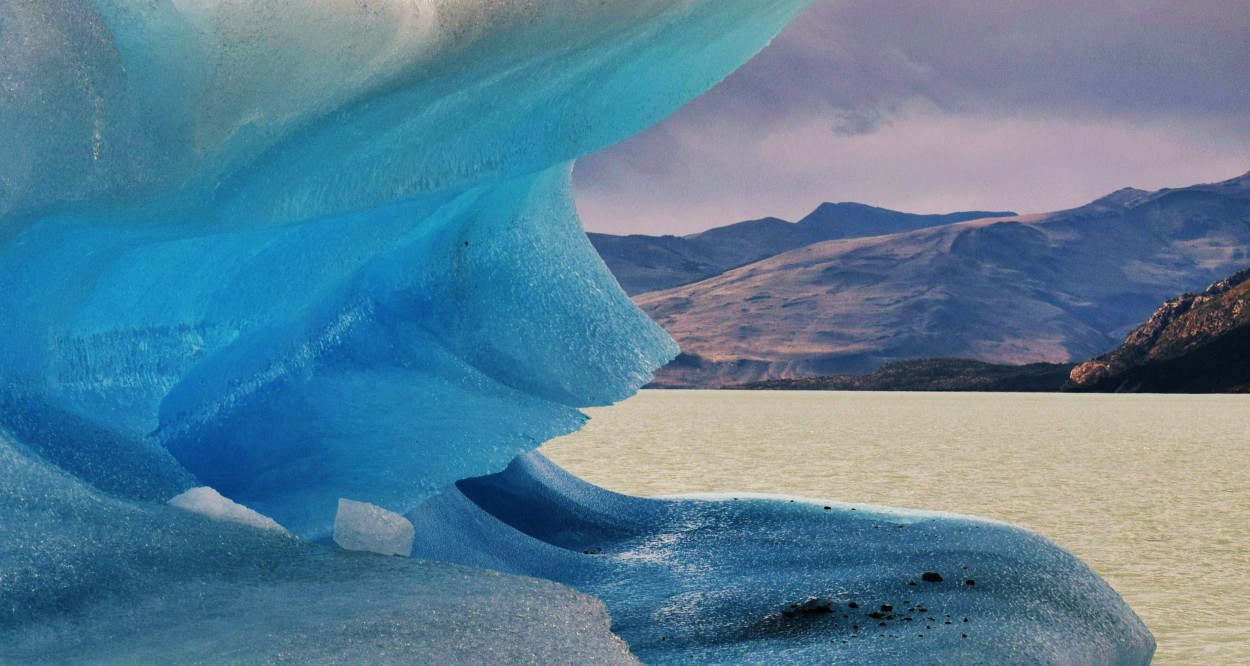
1152 491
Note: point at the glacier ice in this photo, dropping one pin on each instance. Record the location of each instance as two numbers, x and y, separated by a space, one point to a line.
303 251
365 527
294 252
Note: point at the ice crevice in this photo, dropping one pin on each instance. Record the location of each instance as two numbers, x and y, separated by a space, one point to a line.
314 268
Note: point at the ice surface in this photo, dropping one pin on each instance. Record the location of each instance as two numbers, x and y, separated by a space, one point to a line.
88 578
365 527
302 251
752 580
208 502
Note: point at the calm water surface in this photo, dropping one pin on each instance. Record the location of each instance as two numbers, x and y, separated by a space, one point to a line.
1152 491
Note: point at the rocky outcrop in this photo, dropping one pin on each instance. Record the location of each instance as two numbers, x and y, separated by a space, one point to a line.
1196 343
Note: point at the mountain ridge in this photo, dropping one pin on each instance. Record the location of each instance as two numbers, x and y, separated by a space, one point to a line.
1055 287
643 263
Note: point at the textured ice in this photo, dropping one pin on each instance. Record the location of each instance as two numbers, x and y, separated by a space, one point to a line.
296 251
365 527
208 502
93 579
755 580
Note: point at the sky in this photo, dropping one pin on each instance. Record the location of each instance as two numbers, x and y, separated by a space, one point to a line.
931 106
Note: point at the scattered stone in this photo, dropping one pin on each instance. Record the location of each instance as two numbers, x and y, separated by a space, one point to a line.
852 605
931 577
809 607
828 508
886 608
970 582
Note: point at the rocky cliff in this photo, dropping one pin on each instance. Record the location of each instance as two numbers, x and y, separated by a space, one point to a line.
1196 343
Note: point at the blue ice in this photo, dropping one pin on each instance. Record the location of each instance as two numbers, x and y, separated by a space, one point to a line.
260 258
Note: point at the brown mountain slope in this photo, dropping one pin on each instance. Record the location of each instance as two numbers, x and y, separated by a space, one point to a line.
1197 343
1057 287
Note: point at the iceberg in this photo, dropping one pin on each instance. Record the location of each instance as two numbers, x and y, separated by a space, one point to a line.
259 256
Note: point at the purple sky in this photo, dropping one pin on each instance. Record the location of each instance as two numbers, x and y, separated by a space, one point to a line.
937 106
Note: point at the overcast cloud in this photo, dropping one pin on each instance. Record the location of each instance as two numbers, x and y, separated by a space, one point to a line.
942 106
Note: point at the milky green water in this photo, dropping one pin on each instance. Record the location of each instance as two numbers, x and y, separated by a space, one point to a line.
1152 491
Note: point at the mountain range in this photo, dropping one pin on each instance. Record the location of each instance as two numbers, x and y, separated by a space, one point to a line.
652 263
851 287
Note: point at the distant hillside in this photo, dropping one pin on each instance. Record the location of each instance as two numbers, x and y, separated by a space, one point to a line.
1057 287
942 374
651 263
1197 343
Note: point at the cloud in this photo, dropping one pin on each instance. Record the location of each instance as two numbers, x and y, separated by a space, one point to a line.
1048 102
925 163
1138 57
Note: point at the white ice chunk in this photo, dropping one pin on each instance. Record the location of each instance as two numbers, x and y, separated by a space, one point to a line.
208 502
361 526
